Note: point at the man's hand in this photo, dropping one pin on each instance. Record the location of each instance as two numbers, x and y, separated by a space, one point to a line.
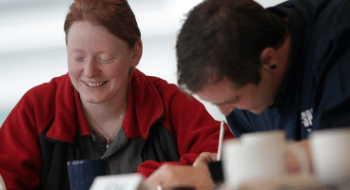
182 176
204 158
293 165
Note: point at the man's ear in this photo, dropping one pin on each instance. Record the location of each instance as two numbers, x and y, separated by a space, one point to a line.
137 53
268 58
66 41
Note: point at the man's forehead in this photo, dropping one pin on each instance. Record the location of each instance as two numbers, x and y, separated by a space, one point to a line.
218 90
222 81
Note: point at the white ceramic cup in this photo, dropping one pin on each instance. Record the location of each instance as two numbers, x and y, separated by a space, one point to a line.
257 156
265 137
330 151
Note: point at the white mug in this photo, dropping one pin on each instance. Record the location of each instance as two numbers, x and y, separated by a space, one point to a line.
265 137
257 156
330 150
272 138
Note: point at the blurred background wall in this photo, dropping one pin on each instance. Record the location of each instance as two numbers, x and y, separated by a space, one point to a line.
32 46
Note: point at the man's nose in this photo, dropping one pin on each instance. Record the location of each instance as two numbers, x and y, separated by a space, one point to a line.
226 109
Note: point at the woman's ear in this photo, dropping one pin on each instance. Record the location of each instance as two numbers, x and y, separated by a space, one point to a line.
136 53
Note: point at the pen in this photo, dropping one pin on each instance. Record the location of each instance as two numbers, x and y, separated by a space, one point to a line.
221 139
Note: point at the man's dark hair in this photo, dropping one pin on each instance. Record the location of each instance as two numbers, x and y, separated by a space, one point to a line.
225 38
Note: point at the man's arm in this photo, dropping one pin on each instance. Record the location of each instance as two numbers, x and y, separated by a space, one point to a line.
186 176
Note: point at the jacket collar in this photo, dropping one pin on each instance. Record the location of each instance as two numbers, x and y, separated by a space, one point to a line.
69 117
144 108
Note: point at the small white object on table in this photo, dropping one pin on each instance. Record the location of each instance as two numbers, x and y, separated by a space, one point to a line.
121 182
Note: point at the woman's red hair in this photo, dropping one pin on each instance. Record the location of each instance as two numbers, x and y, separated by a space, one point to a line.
115 15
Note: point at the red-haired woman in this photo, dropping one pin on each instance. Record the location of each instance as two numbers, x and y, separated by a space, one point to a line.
103 108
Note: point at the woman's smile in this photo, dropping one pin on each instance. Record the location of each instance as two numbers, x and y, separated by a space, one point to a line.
95 84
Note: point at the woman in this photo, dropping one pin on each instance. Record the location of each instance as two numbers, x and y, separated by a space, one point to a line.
104 107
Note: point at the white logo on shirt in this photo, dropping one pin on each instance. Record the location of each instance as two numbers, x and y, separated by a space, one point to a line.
306 119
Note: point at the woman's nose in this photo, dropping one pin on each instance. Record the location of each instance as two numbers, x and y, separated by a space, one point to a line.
91 68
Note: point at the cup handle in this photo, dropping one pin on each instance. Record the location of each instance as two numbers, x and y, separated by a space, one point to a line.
301 155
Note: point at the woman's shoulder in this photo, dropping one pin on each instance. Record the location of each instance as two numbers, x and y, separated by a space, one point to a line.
40 101
158 83
162 87
162 84
47 89
42 98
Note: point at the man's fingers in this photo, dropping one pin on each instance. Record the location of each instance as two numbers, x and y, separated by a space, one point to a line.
182 176
204 158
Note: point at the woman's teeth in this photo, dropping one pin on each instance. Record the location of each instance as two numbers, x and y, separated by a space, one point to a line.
95 84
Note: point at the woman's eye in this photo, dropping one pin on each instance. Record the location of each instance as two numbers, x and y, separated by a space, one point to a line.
105 60
79 59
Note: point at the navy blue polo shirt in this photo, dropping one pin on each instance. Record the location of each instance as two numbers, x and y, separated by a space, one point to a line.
316 90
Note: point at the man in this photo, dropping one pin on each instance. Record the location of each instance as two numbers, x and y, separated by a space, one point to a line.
286 67
282 67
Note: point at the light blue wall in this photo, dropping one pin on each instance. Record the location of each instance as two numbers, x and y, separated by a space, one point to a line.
3 116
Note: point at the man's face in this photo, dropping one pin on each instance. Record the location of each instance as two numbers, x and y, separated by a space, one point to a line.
227 97
254 98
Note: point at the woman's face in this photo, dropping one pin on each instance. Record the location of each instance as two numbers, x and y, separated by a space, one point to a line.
99 63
